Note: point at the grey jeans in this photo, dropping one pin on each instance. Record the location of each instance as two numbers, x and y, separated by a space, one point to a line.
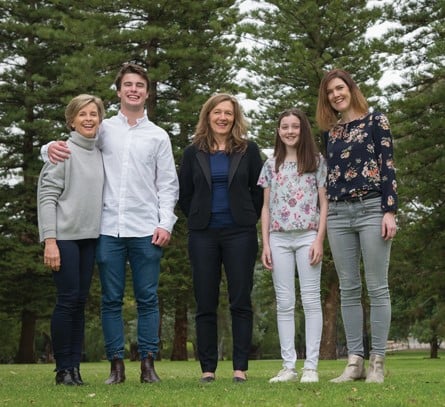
354 231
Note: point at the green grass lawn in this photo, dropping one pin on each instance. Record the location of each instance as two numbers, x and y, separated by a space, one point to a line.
411 380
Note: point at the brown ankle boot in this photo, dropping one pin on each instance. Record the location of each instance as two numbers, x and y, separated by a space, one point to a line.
117 373
148 373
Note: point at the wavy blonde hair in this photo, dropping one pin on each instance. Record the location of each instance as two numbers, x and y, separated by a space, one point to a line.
204 138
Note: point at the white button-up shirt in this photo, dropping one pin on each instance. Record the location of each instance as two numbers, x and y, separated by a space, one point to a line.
141 184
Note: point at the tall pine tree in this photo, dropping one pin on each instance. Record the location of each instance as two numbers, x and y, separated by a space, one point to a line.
47 55
188 51
419 124
52 50
292 44
32 41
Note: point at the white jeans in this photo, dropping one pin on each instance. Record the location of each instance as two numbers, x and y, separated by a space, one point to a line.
290 249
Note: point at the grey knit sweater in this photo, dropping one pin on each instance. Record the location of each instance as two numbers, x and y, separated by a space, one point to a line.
69 194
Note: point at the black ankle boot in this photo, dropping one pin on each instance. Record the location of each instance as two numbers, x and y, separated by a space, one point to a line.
77 378
148 373
65 377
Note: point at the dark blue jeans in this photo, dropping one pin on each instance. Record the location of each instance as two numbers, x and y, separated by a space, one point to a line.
73 282
145 258
235 249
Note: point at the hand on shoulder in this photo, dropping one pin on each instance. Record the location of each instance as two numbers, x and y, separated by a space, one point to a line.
58 151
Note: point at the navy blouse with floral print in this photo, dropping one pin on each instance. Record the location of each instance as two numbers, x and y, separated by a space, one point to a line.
360 160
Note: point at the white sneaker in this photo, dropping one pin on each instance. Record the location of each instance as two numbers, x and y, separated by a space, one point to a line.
309 376
285 375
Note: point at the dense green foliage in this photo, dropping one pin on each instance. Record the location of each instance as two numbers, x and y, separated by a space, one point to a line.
275 54
419 125
295 43
53 50
292 46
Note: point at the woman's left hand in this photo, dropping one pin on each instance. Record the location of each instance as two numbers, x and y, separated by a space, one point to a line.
51 255
389 226
316 253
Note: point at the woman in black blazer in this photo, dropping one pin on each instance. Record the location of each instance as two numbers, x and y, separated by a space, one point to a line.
220 197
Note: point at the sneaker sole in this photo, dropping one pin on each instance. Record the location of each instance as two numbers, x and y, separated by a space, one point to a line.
294 379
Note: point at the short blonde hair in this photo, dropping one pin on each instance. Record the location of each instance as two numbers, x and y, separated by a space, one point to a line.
79 102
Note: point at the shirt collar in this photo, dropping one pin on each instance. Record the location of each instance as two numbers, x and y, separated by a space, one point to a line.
125 118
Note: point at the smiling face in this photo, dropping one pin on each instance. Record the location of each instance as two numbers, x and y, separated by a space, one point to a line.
339 95
133 92
289 130
221 119
87 120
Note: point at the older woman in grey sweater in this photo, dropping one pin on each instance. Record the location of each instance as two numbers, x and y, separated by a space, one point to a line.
69 199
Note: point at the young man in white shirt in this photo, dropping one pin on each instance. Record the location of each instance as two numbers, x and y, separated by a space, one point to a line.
140 193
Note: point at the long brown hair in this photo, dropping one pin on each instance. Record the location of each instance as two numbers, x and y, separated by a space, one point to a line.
326 115
307 151
204 138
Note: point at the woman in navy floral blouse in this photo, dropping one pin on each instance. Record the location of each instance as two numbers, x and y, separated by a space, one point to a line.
362 193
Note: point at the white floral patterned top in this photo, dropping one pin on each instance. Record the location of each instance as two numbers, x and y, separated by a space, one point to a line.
293 197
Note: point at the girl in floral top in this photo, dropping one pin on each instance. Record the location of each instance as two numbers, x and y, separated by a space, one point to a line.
293 223
362 191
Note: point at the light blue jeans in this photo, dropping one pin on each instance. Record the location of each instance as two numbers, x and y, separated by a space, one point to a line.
112 254
290 249
354 231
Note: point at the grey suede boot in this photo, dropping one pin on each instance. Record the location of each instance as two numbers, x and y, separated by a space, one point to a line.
376 373
355 370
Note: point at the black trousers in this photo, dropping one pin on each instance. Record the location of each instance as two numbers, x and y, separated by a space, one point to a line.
235 249
73 282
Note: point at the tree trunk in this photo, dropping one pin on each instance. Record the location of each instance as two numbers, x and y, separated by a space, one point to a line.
328 345
179 351
26 352
434 350
152 100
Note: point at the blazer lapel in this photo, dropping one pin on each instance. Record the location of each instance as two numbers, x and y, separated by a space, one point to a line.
235 159
203 160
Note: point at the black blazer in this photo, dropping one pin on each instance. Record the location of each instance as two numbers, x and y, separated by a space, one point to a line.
195 186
